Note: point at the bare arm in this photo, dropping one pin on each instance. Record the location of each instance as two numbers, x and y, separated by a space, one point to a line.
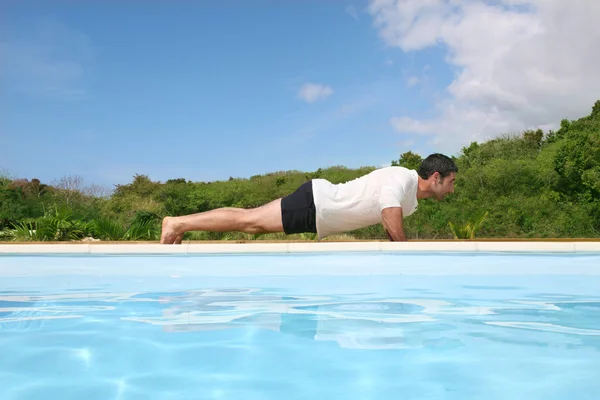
391 219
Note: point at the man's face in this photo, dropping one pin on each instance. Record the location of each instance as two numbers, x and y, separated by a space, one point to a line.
442 187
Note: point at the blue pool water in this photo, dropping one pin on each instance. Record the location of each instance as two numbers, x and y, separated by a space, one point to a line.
340 326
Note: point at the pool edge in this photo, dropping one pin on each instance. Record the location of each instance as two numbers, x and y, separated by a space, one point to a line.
294 247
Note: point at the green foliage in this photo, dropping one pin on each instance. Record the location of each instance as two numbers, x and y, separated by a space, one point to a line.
409 160
107 229
139 229
308 236
142 230
54 226
468 230
522 185
578 158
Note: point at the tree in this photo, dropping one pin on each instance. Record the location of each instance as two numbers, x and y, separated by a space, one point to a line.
409 160
578 158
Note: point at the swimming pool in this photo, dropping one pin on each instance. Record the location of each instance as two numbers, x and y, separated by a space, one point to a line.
300 326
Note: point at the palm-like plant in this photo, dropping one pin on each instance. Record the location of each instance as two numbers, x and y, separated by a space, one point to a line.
54 226
468 230
107 229
142 230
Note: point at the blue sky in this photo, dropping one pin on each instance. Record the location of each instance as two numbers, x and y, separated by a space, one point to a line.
206 90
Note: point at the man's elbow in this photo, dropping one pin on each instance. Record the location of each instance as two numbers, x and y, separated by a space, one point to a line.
396 237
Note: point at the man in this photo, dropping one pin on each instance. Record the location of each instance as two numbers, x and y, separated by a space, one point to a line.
386 196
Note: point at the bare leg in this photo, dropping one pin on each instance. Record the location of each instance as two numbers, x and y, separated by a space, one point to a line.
263 219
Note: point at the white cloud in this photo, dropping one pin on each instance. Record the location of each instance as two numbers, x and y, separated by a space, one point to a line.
352 11
520 63
50 59
406 124
412 81
311 92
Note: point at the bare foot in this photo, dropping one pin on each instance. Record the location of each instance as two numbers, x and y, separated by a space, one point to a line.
179 239
168 234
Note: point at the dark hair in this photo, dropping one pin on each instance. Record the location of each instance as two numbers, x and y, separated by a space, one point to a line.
437 163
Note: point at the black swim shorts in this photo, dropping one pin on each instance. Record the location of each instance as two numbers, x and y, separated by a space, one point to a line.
298 210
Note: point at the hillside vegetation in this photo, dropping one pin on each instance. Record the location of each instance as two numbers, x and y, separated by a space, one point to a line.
531 185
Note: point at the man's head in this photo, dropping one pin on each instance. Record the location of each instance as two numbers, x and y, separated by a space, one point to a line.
439 171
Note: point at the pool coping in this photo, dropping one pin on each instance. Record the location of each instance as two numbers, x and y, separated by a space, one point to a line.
298 247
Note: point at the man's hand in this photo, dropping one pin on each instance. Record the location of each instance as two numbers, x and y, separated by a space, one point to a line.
391 218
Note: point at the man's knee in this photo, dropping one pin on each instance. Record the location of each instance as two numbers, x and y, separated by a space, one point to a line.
250 222
266 218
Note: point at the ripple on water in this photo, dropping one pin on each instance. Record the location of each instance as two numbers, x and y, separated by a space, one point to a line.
252 343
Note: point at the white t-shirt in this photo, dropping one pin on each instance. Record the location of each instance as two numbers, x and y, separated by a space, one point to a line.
358 203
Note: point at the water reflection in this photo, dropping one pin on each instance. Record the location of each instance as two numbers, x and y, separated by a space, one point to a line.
350 321
387 323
